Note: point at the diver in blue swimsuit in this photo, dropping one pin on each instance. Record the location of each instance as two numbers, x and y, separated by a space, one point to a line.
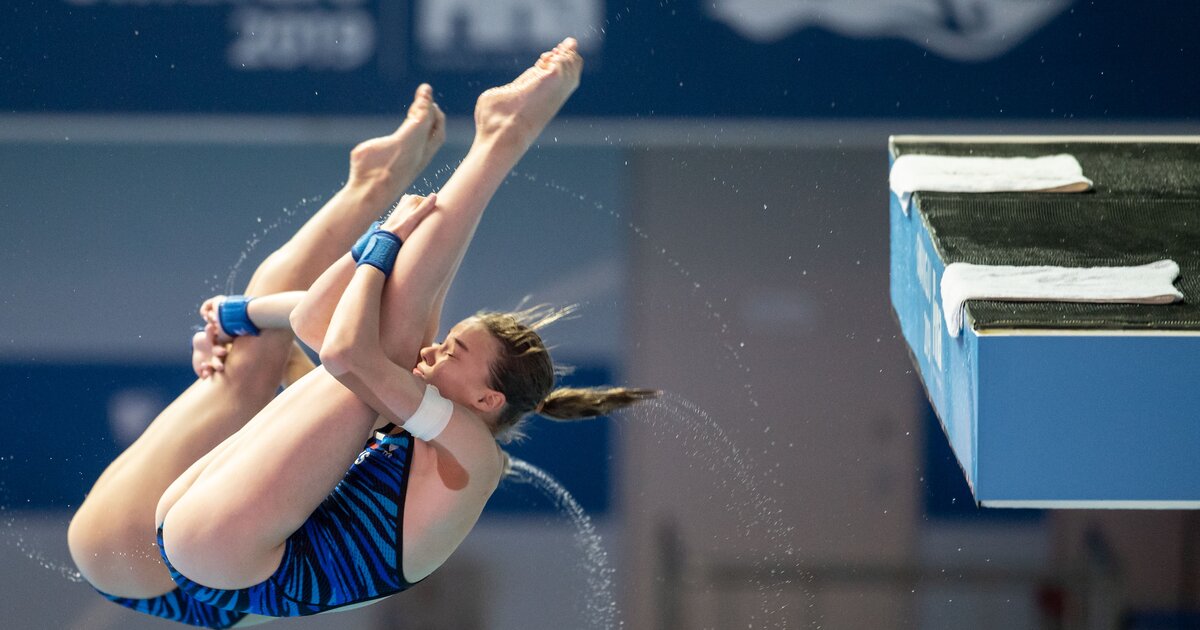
290 515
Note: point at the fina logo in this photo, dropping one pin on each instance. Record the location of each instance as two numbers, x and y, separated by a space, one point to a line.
965 30
469 34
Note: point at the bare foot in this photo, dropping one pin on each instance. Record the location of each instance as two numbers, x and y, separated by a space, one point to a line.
389 162
520 110
207 357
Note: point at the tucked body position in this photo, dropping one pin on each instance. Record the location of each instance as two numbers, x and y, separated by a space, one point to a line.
365 474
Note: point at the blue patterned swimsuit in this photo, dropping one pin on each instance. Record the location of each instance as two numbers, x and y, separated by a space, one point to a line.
348 551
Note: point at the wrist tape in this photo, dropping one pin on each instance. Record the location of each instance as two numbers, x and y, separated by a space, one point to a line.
431 418
356 252
235 317
380 251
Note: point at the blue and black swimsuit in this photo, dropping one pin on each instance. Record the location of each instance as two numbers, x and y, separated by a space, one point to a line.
348 552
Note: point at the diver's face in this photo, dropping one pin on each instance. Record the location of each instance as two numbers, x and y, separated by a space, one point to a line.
460 366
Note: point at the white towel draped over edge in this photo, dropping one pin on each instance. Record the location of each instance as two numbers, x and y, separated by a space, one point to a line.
1051 173
1143 284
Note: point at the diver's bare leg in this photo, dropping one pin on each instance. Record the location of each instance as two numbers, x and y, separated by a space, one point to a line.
508 120
112 537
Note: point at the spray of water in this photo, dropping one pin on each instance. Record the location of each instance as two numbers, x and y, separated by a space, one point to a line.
285 217
15 534
767 534
600 608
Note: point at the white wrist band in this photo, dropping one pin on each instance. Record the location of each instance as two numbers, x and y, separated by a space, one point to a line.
431 418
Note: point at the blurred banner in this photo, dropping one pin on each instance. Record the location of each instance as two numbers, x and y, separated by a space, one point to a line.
752 58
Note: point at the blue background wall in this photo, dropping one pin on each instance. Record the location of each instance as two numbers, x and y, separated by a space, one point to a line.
1051 59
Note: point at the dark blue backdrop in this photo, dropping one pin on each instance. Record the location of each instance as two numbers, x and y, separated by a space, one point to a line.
1106 58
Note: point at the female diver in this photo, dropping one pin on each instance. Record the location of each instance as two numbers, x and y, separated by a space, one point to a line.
290 515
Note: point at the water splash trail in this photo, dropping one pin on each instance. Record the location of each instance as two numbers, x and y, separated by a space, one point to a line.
764 527
600 608
15 534
287 214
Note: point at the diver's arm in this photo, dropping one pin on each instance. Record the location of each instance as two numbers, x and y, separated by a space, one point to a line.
353 355
266 312
273 311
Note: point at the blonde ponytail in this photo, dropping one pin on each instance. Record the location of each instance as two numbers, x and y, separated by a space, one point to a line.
576 403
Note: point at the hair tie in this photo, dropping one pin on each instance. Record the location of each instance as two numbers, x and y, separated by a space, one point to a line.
538 408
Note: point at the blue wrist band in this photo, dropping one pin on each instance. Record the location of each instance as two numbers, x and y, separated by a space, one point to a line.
357 251
235 318
381 251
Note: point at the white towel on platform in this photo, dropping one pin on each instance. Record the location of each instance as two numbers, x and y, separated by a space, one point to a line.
1051 173
1144 284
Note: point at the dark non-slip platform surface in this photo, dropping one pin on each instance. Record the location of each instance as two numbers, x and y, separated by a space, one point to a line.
1145 206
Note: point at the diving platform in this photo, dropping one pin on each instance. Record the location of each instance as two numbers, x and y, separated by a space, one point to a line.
1060 404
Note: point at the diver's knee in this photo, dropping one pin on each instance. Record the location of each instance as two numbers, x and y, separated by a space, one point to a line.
94 534
114 556
83 542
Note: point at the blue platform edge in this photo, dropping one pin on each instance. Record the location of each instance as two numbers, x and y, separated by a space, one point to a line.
1051 419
